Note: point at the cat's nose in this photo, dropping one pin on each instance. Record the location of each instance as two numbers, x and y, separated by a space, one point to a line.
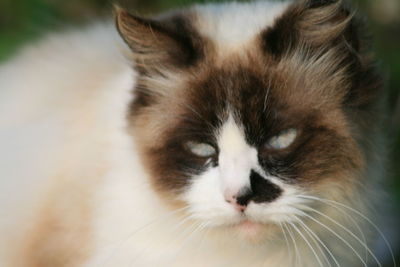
237 200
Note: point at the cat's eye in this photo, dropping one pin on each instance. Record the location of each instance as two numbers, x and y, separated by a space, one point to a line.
203 150
283 140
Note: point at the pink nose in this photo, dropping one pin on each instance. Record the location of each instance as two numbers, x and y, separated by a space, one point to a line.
232 199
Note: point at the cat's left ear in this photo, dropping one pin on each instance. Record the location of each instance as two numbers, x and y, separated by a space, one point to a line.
158 44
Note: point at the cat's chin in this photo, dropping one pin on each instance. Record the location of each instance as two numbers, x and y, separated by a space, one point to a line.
254 232
250 230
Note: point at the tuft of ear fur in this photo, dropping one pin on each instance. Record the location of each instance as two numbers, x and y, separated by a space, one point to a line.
170 42
329 40
314 24
322 24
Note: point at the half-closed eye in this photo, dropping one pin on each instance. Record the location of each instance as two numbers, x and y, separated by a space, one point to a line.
283 140
203 150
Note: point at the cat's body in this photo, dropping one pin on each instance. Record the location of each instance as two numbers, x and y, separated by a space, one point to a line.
77 188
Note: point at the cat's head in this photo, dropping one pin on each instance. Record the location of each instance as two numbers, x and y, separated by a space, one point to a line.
243 110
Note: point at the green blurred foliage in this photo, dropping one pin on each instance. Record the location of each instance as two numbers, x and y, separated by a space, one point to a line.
24 20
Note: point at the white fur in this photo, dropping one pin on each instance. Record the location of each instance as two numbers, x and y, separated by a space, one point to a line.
62 104
236 158
232 25
206 195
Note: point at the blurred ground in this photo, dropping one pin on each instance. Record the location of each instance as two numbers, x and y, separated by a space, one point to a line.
25 20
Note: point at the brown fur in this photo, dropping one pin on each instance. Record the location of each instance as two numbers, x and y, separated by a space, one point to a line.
157 45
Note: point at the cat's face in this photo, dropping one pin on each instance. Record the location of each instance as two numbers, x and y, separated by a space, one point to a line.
240 133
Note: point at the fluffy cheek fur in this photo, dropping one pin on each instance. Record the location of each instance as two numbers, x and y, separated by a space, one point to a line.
206 202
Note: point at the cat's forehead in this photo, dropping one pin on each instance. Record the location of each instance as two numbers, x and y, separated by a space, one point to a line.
231 26
235 65
253 86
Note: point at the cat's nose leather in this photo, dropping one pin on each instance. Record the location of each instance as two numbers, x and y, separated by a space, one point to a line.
261 190
233 200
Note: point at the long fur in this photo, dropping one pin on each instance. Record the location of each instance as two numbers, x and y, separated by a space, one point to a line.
90 173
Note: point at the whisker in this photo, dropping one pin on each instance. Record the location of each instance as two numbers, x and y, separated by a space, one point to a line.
328 201
123 242
338 236
320 241
267 96
202 240
321 251
296 249
349 232
172 231
197 114
355 224
364 239
193 230
308 243
286 241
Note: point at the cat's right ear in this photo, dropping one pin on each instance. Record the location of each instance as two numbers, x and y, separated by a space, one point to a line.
317 24
159 44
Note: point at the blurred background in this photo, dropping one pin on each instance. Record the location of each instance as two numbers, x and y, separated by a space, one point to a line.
22 21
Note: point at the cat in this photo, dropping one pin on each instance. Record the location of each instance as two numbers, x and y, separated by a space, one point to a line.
230 134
